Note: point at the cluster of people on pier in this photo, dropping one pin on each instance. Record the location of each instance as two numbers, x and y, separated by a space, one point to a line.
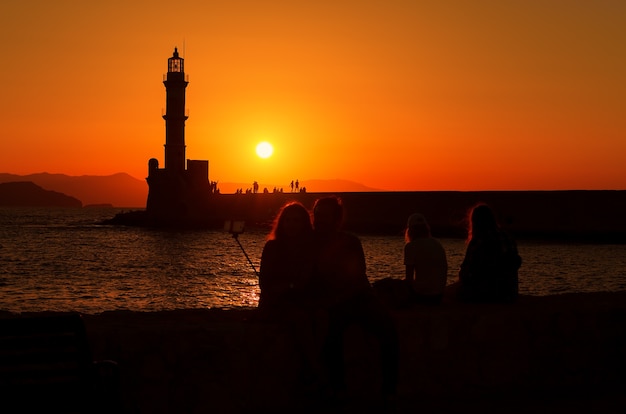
313 277
295 187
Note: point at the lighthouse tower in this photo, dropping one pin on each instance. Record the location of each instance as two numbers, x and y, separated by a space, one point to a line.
181 189
175 85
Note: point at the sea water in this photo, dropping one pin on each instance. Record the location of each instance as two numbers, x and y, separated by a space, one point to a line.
63 260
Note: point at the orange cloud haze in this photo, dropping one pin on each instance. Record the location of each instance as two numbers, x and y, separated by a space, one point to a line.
397 95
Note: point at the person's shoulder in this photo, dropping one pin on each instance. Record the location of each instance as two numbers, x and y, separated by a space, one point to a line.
425 241
345 241
412 244
428 244
271 245
340 238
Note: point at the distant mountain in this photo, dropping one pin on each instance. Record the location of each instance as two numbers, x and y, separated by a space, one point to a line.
120 190
312 186
335 186
28 194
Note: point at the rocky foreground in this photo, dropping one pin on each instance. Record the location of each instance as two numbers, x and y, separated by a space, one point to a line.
563 353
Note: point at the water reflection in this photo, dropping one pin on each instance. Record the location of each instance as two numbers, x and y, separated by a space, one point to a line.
73 264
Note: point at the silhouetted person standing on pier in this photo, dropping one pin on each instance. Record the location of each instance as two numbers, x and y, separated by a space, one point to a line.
349 297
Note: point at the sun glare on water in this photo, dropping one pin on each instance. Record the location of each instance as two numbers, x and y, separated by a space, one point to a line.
264 149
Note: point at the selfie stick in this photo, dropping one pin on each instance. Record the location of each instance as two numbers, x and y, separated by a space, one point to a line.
236 237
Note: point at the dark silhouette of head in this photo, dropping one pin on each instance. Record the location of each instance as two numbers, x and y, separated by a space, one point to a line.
327 214
292 221
482 221
416 227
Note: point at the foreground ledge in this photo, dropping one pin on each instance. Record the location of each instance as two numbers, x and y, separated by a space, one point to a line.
566 350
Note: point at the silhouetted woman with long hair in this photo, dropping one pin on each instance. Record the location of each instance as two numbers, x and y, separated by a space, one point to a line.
287 292
489 270
287 260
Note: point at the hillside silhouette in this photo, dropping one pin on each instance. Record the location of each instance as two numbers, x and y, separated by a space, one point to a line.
123 190
120 190
29 194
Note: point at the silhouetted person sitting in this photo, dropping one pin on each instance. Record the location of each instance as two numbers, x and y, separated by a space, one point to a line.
285 278
287 260
348 297
489 271
425 262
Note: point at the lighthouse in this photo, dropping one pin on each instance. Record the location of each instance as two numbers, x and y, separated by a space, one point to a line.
180 190
175 117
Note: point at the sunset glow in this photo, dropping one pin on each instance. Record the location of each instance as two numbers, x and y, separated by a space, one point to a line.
395 95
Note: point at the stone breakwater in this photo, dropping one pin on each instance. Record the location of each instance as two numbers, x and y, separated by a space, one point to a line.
589 215
455 356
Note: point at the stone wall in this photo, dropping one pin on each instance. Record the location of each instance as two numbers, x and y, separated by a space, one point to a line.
590 215
584 215
233 361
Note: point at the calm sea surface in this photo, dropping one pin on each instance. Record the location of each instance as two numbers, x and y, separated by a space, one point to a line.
61 259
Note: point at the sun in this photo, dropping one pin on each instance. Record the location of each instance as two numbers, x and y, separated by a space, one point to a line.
264 149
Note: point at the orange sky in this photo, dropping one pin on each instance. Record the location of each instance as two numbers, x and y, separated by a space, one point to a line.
396 95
